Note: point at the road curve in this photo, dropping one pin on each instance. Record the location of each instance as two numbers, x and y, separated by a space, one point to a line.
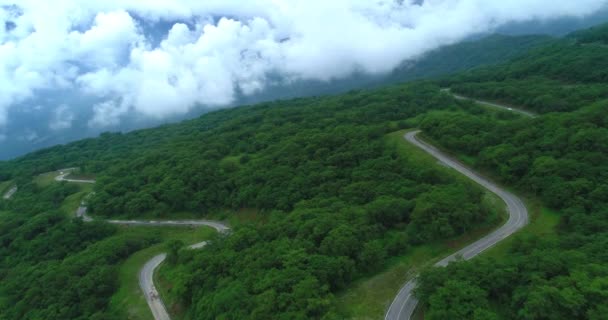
146 283
65 172
491 104
146 274
217 225
404 304
9 194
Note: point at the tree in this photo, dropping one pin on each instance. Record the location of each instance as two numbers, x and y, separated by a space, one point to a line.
173 248
459 300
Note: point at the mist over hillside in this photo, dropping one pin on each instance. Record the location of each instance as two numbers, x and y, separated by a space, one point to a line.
79 90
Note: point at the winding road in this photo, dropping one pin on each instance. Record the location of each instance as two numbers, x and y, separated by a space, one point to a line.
146 274
9 194
404 304
65 172
491 104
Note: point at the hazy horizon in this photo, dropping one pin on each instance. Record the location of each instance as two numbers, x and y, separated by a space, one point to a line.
119 66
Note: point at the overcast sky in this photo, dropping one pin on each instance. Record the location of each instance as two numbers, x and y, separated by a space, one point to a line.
160 58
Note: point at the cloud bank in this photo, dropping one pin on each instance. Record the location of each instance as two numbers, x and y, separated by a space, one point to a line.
161 58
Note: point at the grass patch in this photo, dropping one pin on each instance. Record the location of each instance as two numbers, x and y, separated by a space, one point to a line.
543 223
369 298
45 179
72 202
240 217
80 176
128 301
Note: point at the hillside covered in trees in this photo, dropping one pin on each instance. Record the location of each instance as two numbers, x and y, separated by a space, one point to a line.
336 199
560 157
54 267
563 75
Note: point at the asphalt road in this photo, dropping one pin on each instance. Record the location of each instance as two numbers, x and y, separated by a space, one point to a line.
146 283
495 105
146 274
81 212
404 304
9 194
65 172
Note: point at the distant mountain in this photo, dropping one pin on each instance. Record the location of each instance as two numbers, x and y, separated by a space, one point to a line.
33 127
493 49
564 75
554 27
490 50
596 34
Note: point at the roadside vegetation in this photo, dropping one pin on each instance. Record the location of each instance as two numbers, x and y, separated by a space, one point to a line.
560 158
369 297
341 208
337 200
128 301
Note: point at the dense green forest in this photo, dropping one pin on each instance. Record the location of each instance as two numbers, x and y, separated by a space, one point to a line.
467 55
561 158
337 200
53 267
563 75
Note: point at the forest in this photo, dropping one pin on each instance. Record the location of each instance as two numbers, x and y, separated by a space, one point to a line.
561 158
337 200
55 267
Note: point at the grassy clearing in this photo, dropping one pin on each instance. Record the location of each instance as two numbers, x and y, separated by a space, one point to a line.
79 176
543 222
45 179
368 298
128 300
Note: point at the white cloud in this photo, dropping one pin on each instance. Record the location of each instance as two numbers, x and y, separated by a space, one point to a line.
107 113
62 118
99 47
29 135
104 44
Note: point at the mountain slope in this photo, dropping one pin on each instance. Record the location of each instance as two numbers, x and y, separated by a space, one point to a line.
30 130
337 201
558 158
563 75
